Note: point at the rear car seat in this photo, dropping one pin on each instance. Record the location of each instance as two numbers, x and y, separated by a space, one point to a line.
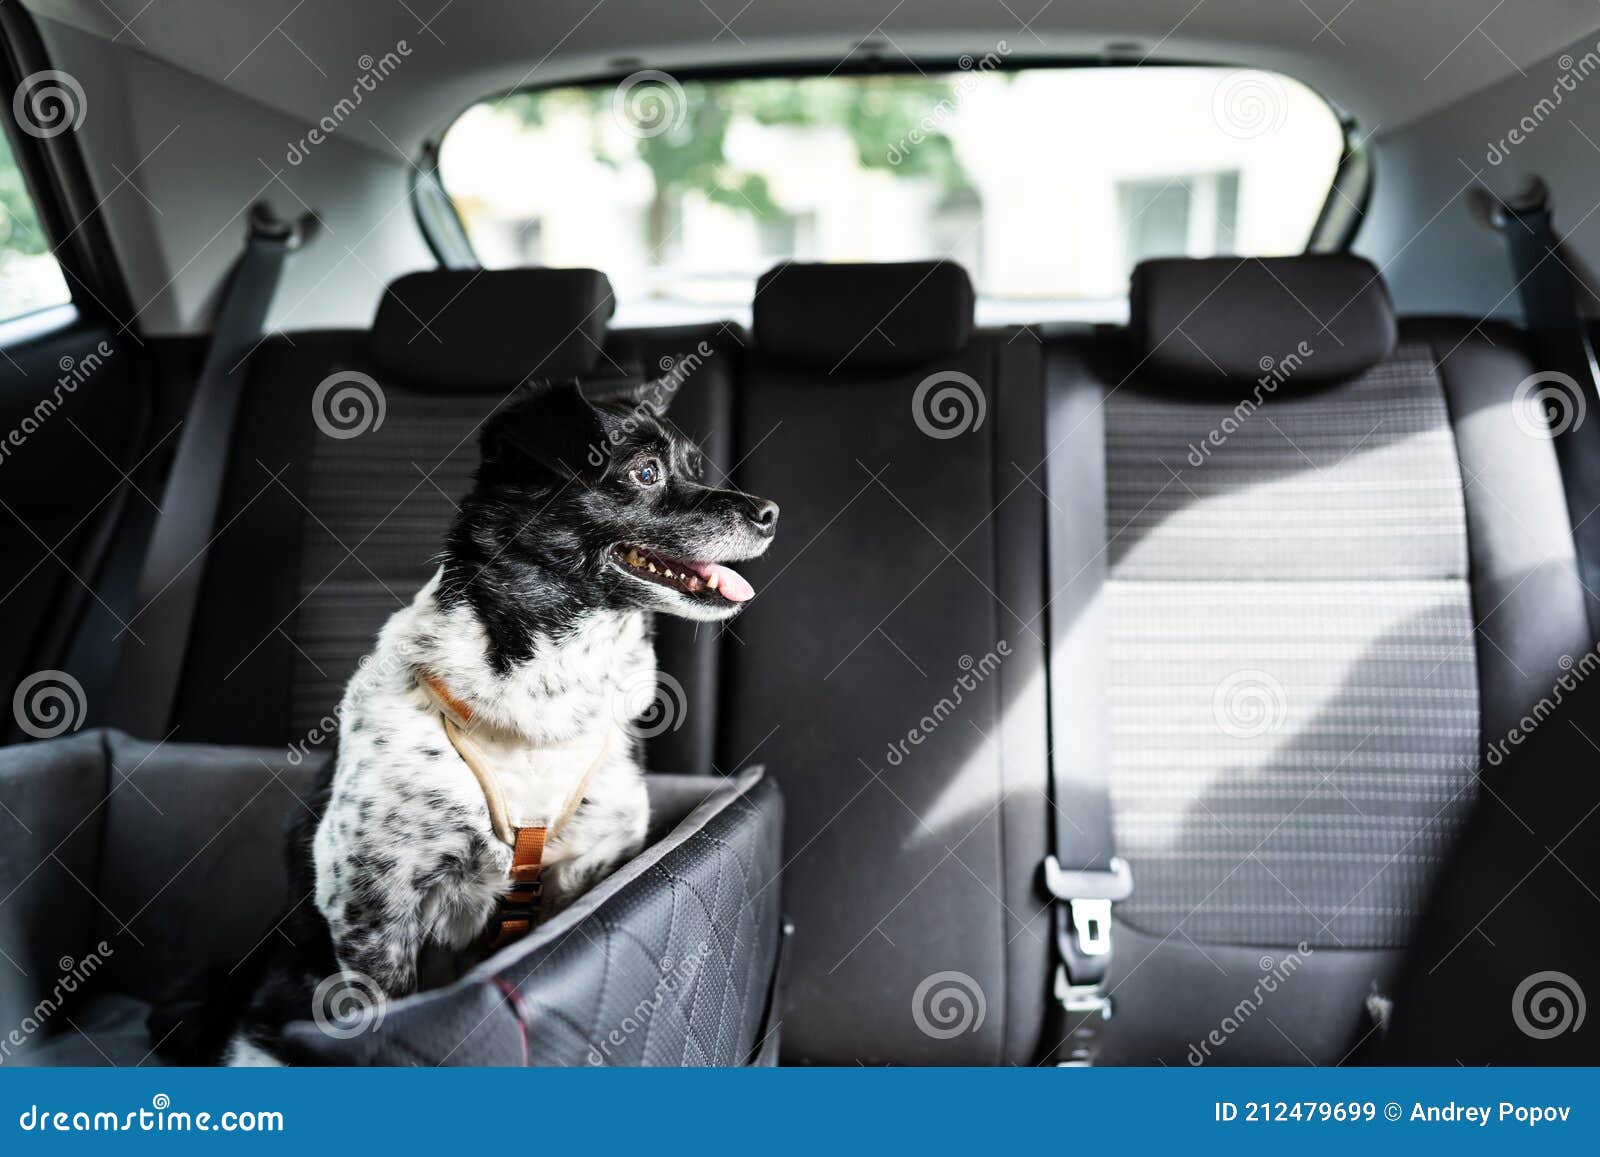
1337 562
1316 616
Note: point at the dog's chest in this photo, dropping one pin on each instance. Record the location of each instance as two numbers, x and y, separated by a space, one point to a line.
542 785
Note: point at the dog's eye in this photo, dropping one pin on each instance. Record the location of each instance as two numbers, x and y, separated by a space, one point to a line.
647 473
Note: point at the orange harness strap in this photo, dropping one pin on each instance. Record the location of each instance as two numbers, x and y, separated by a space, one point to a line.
519 907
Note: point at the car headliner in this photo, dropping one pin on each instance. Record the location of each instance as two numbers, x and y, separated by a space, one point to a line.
1388 64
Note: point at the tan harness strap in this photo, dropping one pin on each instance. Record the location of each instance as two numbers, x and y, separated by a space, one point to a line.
518 909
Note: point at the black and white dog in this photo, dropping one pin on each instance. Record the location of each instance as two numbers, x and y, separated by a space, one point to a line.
582 521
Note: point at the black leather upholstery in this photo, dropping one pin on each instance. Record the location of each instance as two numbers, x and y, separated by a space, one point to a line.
169 859
844 316
486 330
1229 320
668 962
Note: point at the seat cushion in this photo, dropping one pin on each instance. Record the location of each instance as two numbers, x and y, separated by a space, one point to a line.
107 1031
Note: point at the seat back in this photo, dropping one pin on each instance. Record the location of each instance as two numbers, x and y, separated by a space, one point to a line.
890 672
352 450
1296 693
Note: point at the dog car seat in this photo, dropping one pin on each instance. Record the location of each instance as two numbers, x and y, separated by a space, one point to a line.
127 866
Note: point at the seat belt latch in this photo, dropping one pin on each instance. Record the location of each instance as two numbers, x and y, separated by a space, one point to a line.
1089 895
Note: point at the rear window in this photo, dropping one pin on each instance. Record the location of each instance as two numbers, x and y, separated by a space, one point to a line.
1048 185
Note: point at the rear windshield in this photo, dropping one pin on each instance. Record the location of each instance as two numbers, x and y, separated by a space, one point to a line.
1048 185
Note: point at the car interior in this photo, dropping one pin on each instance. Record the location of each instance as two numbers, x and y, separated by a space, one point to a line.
1184 422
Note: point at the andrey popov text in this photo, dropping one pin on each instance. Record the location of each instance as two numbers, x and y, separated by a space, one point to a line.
1356 1112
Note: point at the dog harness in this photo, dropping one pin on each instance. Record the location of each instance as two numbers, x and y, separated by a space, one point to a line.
518 908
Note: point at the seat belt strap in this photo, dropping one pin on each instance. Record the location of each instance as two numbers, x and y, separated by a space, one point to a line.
1566 358
1083 874
150 663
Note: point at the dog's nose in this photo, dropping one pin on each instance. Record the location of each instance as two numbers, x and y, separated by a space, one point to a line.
765 516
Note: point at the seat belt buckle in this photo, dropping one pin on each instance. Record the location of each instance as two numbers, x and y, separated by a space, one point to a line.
1091 922
1088 895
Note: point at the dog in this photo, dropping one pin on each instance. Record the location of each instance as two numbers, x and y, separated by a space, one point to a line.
519 653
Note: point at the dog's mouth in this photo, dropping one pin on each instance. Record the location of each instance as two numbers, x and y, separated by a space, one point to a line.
708 581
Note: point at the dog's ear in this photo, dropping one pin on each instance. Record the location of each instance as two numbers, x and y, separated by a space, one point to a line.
553 428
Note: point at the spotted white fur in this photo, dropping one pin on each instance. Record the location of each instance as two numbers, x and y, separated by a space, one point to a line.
405 855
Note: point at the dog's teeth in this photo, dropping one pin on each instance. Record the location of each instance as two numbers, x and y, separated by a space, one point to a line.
652 567
712 581
634 558
669 572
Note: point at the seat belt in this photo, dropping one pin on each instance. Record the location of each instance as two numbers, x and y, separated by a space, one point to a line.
1565 355
148 671
1083 873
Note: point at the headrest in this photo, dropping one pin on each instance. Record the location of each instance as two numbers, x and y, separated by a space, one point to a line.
863 316
471 330
1234 319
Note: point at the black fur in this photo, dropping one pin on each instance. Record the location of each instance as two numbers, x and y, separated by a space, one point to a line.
528 549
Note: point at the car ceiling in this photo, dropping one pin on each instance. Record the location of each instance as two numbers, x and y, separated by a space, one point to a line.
1388 63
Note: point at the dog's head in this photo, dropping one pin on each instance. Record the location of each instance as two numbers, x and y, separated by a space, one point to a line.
602 507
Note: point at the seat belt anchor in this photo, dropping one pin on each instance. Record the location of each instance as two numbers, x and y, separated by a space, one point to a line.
1088 1000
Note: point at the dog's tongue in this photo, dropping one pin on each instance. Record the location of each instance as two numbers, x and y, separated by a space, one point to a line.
731 585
